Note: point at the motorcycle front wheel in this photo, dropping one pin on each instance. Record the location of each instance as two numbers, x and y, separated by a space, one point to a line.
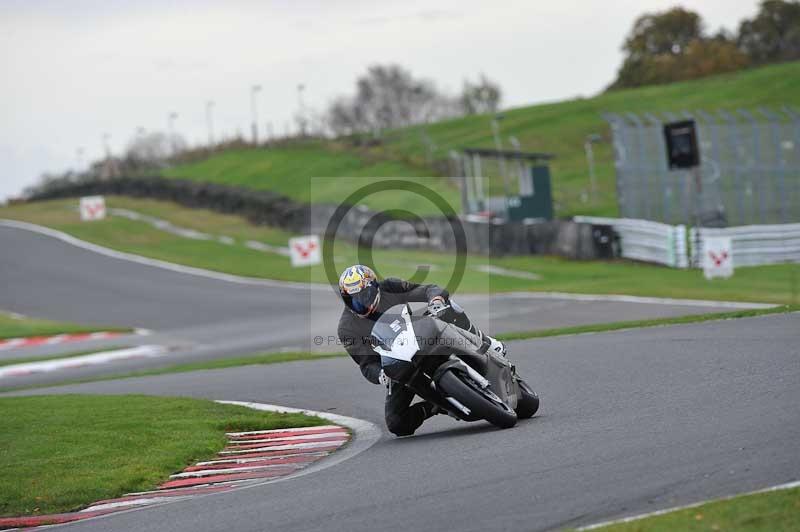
469 394
528 402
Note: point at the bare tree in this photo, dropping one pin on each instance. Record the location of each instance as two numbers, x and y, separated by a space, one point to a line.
153 149
388 97
484 96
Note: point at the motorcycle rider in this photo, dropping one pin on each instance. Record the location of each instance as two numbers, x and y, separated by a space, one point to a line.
365 299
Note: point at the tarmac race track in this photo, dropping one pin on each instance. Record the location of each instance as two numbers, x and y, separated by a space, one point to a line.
203 318
631 421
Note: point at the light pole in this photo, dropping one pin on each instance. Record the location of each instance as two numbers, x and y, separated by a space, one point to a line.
107 149
514 141
302 109
499 146
210 122
79 157
254 90
270 132
587 145
171 117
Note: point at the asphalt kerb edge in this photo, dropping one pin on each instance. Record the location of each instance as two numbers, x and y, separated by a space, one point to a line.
364 435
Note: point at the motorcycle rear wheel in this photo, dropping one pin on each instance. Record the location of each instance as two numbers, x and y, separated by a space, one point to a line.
468 394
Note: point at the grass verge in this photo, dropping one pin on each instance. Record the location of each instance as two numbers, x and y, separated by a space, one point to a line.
12 326
27 360
774 284
637 324
61 452
220 363
776 511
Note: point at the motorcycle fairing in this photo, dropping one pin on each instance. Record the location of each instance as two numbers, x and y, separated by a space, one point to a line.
498 372
393 336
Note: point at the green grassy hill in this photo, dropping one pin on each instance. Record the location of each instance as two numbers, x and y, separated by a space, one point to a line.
559 128
317 171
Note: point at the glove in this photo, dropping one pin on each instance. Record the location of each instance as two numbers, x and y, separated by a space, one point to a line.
383 378
436 305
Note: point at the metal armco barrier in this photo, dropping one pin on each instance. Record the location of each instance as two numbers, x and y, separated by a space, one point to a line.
754 244
647 241
671 245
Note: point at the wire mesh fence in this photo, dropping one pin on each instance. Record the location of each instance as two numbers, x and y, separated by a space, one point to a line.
749 169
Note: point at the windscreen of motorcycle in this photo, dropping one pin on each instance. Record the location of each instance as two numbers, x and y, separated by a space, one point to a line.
393 334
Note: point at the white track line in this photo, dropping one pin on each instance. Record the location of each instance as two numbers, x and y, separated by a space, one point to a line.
69 239
506 272
11 343
310 445
230 470
273 431
169 227
148 351
189 270
262 458
265 441
55 339
133 502
788 485
188 488
76 338
639 299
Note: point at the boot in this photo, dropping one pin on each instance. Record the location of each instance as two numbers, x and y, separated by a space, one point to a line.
434 410
430 409
496 346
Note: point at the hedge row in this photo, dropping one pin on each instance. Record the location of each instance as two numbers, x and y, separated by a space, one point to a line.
260 207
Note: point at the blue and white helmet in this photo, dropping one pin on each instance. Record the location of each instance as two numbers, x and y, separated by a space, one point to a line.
358 286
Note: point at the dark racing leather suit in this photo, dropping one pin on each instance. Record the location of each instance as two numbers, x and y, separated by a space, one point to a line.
402 418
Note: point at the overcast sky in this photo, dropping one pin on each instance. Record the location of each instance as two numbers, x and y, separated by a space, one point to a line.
74 70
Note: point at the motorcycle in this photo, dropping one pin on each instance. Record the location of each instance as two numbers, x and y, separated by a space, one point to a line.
451 367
